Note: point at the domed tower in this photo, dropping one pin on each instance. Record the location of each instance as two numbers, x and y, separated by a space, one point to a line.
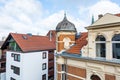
65 31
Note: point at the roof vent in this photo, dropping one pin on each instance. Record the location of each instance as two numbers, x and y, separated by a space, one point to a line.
30 34
24 37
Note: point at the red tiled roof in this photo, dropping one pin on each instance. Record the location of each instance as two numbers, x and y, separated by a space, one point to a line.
79 43
29 43
117 14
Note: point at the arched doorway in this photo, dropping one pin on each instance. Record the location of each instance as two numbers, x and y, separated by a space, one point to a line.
95 77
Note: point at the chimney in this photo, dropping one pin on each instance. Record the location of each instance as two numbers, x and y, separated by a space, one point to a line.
99 16
50 36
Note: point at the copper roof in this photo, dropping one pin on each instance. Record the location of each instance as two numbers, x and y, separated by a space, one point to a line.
79 43
29 43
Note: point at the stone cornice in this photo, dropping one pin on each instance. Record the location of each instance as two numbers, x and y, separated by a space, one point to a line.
103 26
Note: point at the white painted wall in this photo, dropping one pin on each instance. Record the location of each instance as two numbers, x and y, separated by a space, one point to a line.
30 66
3 76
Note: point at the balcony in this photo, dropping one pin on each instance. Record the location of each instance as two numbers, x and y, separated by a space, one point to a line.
51 56
2 65
51 73
51 64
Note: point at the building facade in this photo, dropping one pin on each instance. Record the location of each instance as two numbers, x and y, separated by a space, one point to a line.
29 57
95 54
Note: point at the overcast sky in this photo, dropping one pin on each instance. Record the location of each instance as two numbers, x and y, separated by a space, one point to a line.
40 16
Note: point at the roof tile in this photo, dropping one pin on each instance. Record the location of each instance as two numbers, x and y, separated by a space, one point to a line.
79 43
29 43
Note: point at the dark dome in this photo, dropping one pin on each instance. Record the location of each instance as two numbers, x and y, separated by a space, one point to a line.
65 25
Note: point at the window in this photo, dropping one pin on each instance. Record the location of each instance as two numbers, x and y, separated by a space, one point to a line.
63 76
44 77
15 69
16 57
63 67
44 55
116 46
95 77
100 46
43 66
12 78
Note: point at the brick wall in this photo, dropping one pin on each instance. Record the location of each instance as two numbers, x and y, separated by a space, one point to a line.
72 78
58 67
60 46
109 77
76 71
61 37
58 76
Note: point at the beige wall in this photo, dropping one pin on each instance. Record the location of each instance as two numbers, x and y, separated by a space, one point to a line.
108 33
96 68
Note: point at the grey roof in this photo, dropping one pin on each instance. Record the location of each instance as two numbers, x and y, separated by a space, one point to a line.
65 25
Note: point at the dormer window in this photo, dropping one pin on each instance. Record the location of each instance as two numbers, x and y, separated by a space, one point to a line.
100 46
116 46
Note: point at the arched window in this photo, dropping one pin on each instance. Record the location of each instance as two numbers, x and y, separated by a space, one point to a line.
100 46
66 42
95 77
116 46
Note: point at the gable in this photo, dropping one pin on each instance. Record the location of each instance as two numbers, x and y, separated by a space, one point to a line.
107 19
29 43
10 44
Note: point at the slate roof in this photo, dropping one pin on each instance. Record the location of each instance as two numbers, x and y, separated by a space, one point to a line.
65 25
30 43
79 43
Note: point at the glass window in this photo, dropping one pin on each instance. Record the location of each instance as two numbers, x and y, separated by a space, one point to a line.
116 46
43 66
44 77
63 67
44 55
16 57
95 77
100 46
15 69
12 78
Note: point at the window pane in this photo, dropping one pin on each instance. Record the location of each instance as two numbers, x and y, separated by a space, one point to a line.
44 77
116 37
100 49
116 50
100 38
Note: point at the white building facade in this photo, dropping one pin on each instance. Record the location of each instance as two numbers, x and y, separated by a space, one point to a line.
27 66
